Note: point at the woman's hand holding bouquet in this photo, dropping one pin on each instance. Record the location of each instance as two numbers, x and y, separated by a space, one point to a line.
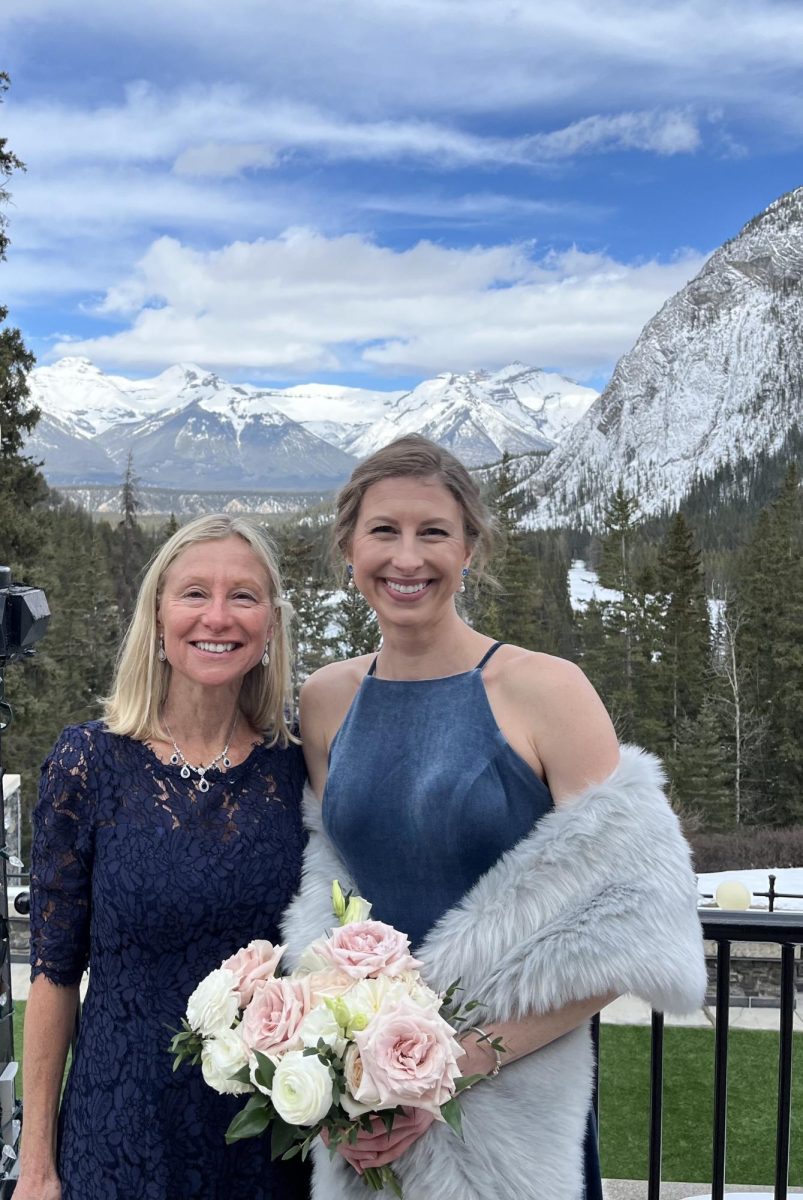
352 1045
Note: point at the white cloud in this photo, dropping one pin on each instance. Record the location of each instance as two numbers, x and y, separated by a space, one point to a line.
220 131
378 58
305 303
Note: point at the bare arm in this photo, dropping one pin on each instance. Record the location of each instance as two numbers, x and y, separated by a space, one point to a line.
322 705
49 1022
573 738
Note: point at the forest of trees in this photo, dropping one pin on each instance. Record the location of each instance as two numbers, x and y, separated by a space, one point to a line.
700 658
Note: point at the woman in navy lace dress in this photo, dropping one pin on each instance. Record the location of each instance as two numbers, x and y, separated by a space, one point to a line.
166 837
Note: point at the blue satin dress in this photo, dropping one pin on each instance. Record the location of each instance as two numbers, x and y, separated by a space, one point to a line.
424 795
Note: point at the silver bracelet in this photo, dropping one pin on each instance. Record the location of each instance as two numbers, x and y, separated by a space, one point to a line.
484 1038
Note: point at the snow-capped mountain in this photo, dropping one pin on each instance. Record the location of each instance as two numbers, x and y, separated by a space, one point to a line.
715 377
481 413
187 428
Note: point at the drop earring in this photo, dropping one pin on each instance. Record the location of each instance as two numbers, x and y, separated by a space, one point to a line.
464 574
266 655
160 653
351 584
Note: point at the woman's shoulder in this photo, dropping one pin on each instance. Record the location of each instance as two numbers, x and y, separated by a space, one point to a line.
77 741
336 679
527 674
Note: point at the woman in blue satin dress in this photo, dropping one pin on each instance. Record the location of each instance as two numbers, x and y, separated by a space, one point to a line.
438 754
166 837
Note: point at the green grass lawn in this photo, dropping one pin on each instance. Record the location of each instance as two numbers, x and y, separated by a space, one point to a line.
688 1103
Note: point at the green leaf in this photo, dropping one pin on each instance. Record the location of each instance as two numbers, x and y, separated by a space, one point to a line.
266 1069
465 1081
450 1111
242 1076
282 1137
251 1121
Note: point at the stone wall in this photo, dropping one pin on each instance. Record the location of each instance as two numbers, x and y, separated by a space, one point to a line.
755 974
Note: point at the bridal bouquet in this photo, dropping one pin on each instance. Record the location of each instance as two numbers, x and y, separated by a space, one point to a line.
353 1033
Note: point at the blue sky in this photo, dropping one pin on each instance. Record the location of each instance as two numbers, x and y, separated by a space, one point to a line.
372 192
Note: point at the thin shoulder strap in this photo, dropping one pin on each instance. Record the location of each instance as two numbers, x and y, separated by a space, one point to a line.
372 669
488 654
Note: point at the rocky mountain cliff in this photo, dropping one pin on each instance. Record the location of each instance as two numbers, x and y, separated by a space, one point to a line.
715 378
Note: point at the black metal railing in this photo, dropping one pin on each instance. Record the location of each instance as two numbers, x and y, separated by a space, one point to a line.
771 895
784 929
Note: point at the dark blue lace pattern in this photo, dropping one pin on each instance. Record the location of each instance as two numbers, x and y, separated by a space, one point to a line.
152 883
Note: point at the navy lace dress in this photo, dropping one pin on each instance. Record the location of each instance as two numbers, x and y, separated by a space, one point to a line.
152 883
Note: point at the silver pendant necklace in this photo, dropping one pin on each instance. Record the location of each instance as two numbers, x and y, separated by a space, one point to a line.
187 767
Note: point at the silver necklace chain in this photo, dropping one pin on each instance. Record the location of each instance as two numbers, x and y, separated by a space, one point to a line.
187 767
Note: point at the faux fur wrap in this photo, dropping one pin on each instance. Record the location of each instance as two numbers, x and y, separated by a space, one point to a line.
599 897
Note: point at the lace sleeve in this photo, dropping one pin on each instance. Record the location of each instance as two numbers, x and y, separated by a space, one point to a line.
61 861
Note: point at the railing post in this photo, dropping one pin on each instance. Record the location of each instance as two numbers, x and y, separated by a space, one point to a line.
595 1026
656 1105
785 1072
721 1069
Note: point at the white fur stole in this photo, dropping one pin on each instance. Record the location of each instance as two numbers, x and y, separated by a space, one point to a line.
599 897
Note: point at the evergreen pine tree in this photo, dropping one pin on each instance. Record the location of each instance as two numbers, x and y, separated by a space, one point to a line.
685 636
22 486
508 613
129 546
170 527
771 593
357 626
314 642
702 783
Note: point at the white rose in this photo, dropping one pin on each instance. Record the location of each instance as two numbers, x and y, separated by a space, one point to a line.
320 1023
222 1056
364 999
302 1089
312 960
214 1004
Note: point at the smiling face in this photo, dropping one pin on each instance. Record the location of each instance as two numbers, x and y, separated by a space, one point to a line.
215 612
409 548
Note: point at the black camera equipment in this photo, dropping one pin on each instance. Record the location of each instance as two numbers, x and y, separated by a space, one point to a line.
24 616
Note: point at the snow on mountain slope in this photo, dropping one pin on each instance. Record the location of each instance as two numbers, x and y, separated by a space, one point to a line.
480 414
715 375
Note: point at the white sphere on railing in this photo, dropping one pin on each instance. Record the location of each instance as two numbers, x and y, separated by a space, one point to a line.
731 894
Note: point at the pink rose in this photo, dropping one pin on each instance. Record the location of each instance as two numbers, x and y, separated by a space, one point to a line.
407 1055
257 961
272 1020
367 949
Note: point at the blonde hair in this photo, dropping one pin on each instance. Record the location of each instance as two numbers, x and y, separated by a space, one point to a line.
415 456
141 681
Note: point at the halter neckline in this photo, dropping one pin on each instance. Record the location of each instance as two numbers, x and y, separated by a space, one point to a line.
488 654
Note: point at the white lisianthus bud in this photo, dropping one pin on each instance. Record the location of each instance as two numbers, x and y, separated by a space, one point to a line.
321 1023
338 901
214 1004
302 1089
223 1056
357 909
